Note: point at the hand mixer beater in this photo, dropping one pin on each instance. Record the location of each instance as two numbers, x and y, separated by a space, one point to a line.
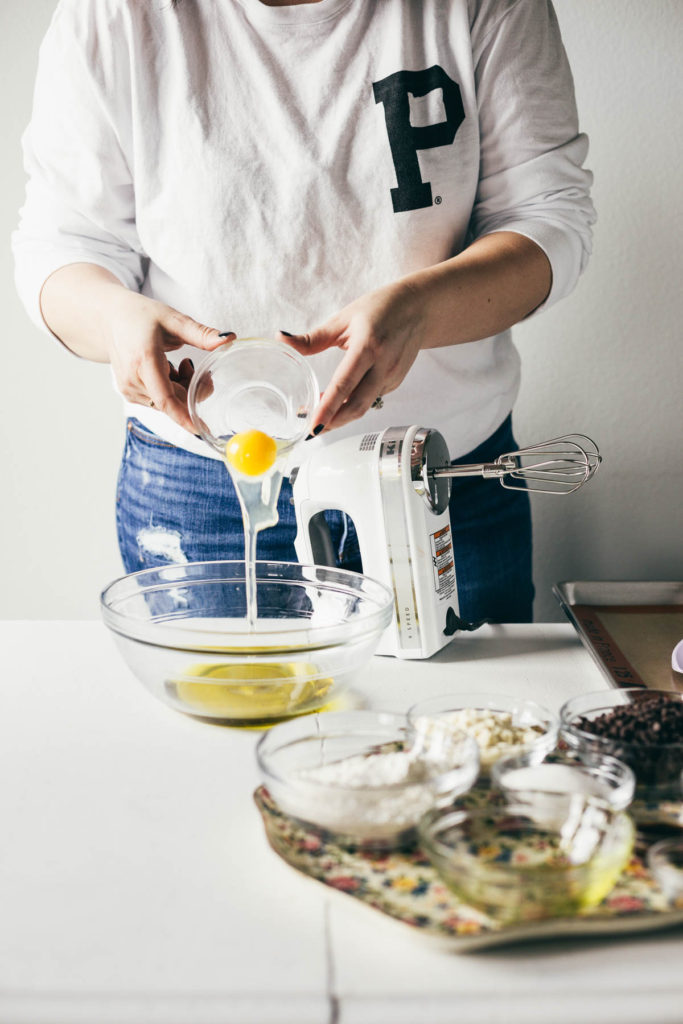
395 486
558 466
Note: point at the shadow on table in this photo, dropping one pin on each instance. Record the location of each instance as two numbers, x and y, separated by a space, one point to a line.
499 642
550 946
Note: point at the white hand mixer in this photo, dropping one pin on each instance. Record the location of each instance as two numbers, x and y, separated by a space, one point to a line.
395 486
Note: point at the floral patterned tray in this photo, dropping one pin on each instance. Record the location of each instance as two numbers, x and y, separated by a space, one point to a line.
406 887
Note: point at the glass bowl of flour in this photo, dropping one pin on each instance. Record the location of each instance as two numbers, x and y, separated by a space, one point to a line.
363 778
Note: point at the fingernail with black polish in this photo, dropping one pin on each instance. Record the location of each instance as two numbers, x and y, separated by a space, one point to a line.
318 429
226 334
287 334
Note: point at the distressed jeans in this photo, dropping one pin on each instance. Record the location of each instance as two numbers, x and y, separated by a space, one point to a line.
174 506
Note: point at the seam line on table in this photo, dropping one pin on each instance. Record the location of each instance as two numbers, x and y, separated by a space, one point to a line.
331 981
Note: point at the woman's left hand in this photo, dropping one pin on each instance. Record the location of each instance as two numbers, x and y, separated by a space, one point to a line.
380 334
493 283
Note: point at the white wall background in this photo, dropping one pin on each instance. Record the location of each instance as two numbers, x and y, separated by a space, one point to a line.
608 361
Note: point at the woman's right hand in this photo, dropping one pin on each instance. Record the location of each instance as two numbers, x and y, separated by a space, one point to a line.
98 318
140 337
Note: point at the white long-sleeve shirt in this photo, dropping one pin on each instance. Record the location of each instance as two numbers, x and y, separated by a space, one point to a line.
260 167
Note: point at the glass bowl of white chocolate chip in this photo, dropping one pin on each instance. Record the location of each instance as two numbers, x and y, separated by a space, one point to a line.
362 778
500 724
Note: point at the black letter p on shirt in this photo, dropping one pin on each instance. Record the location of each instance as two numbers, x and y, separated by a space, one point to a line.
405 140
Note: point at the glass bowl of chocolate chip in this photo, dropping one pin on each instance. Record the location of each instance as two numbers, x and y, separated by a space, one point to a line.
644 729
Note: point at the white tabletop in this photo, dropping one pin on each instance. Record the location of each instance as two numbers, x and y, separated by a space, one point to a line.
137 886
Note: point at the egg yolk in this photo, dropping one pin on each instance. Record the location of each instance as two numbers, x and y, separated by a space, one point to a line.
251 452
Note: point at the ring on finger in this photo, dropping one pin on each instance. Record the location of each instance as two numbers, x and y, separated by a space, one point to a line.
378 403
151 403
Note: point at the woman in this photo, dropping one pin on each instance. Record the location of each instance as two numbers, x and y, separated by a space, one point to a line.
391 185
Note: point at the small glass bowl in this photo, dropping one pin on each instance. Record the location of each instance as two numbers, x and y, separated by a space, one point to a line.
540 724
183 632
516 867
319 771
665 861
253 383
658 767
523 777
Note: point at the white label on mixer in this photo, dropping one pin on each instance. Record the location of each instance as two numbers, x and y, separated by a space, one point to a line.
442 562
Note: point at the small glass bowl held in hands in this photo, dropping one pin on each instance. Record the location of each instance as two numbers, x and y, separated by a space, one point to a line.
518 866
500 724
643 728
253 384
523 778
181 629
357 778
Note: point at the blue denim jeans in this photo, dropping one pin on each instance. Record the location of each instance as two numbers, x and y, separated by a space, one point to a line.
174 506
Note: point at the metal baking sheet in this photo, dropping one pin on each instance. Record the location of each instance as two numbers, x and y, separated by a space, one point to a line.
629 627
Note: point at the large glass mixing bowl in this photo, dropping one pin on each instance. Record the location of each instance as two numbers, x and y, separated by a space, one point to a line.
182 631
